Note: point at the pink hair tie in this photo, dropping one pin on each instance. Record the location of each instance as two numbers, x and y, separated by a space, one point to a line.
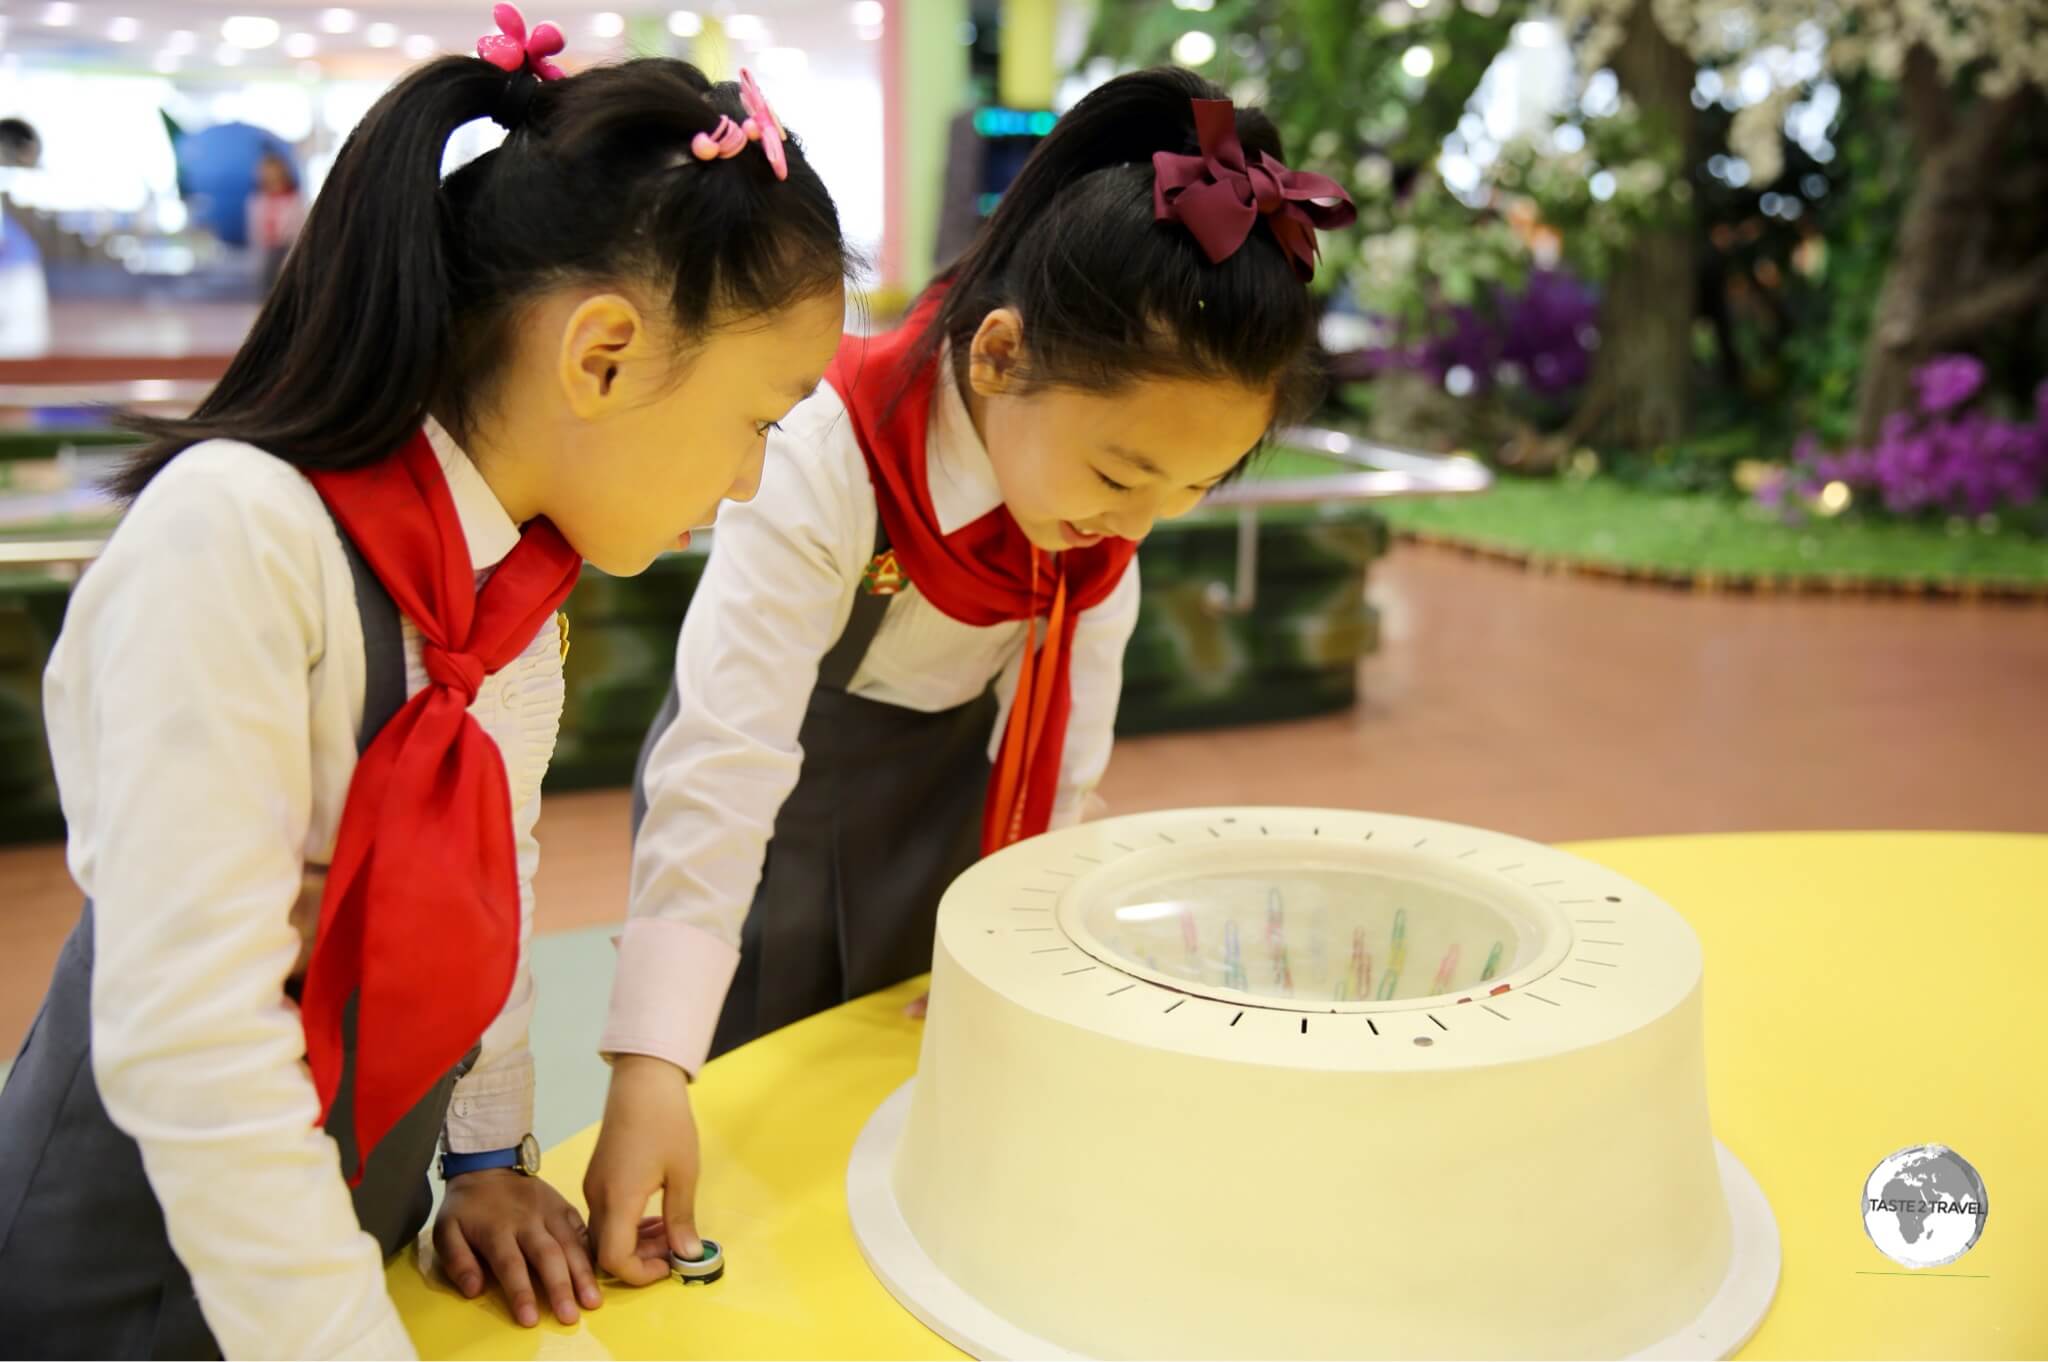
512 49
761 125
723 142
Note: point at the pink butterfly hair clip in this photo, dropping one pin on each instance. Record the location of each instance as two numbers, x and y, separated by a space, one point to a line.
727 139
762 126
512 49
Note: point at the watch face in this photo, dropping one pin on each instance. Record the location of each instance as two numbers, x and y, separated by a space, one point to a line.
529 1156
1327 934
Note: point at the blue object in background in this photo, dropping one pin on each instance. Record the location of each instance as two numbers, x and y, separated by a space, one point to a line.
17 247
24 293
217 174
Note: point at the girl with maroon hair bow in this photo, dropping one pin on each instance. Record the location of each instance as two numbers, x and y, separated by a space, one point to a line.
918 626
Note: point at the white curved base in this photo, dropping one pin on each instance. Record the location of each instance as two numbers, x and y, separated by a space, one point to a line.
892 1251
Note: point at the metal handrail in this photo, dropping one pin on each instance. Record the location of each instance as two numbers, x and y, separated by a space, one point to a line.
62 558
68 557
1385 471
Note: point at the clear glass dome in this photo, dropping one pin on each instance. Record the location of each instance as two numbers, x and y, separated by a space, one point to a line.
1313 934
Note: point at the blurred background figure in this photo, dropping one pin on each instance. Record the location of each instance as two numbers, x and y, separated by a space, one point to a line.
224 170
24 296
19 145
276 212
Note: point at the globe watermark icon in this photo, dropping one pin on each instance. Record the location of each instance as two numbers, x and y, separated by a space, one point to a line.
1924 1206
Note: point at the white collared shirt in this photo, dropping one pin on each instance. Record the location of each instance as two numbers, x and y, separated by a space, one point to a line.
203 704
775 597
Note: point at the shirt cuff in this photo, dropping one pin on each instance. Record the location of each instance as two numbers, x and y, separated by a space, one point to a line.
492 1109
386 1339
671 985
1074 807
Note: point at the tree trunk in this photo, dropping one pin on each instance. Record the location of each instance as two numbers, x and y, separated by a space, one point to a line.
1638 396
1943 286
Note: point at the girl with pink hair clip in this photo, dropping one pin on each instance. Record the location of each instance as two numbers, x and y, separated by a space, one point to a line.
301 709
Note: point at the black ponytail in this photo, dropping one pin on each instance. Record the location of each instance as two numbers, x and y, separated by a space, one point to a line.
1108 295
399 296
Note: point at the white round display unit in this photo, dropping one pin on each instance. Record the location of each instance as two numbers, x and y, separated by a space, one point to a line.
1305 1083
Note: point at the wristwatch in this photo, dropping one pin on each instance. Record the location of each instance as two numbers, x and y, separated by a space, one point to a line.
524 1157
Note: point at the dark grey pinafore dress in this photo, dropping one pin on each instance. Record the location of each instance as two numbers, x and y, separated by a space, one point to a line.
885 815
86 1266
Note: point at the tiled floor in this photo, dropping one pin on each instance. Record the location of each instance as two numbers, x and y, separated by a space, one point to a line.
1551 707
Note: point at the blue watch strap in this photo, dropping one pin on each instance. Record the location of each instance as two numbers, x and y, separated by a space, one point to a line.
455 1165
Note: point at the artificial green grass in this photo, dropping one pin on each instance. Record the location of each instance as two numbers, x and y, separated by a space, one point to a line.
1608 524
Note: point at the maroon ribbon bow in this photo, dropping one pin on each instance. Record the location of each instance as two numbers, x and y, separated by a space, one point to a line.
1219 196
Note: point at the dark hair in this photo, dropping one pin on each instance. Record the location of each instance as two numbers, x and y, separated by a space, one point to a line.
18 135
399 296
284 163
1107 294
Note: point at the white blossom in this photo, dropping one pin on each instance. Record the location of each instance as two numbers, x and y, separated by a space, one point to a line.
1374 174
1388 259
2008 39
1757 136
1641 179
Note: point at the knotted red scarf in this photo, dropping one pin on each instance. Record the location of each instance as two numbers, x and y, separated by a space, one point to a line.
420 918
982 574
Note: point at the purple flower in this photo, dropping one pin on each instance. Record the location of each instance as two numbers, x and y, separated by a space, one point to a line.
1536 336
1948 381
1943 461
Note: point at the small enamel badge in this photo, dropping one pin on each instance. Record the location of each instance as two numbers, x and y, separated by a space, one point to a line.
883 575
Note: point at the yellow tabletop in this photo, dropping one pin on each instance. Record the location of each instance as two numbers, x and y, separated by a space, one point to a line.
1864 992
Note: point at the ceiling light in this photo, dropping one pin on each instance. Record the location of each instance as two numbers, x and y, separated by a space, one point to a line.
251 31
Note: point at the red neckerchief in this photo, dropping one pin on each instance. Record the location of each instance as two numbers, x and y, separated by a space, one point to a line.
984 573
420 917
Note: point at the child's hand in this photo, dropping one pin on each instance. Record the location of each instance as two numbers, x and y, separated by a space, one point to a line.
648 1144
521 1227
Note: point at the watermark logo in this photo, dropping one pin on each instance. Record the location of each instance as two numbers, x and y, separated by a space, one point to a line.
1924 1206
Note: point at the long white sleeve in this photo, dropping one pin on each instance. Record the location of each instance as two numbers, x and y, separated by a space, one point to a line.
774 597
180 712
492 1105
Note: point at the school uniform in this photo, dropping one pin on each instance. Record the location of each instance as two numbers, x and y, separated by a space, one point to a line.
167 1187
821 772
